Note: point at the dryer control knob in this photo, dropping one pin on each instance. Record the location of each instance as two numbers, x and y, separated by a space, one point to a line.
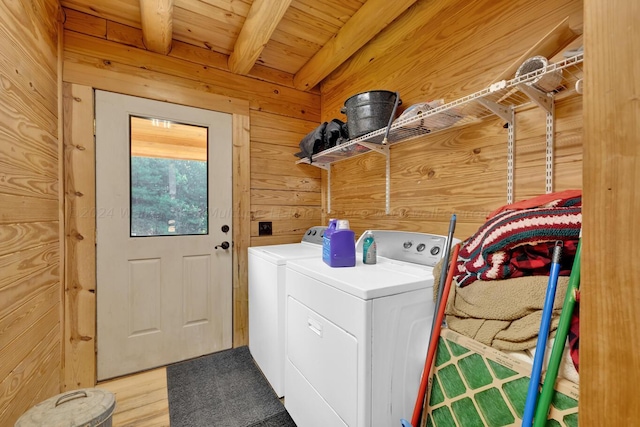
435 250
407 244
421 247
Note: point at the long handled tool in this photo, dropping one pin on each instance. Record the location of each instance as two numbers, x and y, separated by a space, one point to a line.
433 342
445 263
543 335
542 410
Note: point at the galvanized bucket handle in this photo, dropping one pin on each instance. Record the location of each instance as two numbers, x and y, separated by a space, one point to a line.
393 115
71 396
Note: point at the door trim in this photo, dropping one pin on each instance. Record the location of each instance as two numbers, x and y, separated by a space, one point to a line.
79 189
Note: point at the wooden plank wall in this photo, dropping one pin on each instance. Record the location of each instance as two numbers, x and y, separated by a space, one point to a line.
268 113
30 286
444 50
282 192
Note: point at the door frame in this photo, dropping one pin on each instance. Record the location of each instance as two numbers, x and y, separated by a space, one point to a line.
80 215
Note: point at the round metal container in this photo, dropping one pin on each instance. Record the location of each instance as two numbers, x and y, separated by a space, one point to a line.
368 111
546 82
90 407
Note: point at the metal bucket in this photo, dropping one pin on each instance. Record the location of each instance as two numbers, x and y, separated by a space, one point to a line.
369 111
90 407
547 82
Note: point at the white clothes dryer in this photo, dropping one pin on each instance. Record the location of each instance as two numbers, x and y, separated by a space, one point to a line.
357 337
266 270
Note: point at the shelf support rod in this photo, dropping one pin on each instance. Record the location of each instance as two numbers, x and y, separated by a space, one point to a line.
328 169
511 138
550 137
387 187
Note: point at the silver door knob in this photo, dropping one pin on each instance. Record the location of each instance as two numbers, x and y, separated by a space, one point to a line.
223 245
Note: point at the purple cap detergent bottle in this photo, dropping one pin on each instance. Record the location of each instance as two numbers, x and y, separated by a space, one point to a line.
342 246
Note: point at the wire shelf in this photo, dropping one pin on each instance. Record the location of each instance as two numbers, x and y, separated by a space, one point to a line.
499 99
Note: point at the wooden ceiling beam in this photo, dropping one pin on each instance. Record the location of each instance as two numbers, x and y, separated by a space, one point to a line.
365 24
261 22
157 25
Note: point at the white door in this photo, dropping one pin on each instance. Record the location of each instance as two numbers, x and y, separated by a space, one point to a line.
163 208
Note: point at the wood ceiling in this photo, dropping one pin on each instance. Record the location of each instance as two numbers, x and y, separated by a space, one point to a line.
306 39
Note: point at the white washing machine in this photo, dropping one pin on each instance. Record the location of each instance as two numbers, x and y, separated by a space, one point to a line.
267 300
357 337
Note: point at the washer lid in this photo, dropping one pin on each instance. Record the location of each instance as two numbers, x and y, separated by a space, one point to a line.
87 407
367 281
280 254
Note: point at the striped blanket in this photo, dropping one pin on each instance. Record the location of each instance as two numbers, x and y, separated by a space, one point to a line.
516 243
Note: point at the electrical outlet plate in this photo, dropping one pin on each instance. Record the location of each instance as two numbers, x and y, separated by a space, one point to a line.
265 228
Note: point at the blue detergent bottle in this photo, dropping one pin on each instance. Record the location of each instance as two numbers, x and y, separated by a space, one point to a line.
342 246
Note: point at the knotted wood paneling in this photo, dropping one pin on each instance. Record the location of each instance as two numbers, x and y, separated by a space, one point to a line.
30 289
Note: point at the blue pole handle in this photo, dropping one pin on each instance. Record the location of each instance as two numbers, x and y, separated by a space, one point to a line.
543 335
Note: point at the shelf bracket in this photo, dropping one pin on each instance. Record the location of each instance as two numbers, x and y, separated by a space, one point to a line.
542 99
505 113
325 166
381 149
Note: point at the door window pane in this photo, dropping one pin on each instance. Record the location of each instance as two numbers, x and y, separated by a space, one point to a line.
169 194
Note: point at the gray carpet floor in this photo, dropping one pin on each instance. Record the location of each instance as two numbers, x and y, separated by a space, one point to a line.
223 389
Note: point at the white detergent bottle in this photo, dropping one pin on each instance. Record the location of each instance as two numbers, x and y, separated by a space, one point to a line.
369 250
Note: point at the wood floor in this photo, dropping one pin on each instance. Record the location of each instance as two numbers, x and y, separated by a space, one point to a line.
141 399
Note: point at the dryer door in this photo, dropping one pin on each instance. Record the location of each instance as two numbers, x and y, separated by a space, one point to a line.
327 356
328 349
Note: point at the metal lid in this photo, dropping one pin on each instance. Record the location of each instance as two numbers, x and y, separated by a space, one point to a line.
88 407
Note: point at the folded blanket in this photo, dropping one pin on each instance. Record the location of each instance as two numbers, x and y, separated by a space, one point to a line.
504 314
518 243
559 198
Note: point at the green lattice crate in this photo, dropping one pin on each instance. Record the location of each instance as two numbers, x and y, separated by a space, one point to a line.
473 385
